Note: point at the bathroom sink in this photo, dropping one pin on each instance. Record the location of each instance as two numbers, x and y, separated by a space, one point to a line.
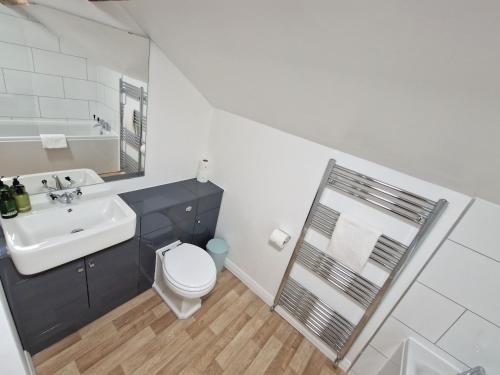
51 235
80 177
417 360
413 358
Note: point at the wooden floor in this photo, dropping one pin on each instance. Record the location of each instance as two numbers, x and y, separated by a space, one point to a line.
233 333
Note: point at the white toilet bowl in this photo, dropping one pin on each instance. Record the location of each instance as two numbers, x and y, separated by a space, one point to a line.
184 273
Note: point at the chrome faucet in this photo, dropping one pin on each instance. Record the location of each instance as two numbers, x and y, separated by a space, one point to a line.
66 196
474 371
59 186
104 125
57 181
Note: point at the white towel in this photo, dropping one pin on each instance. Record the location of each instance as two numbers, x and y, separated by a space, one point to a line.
352 242
53 141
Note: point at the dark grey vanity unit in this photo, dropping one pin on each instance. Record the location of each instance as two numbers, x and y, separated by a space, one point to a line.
50 305
185 211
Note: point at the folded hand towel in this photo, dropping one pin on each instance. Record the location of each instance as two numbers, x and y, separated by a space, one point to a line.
53 141
352 242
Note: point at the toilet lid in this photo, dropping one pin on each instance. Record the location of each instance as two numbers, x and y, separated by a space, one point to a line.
189 267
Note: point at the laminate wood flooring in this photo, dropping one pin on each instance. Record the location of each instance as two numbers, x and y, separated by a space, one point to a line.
234 332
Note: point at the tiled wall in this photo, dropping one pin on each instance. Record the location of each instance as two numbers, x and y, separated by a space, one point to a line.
454 306
42 76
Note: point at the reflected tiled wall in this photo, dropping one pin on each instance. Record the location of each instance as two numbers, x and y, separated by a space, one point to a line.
42 76
454 306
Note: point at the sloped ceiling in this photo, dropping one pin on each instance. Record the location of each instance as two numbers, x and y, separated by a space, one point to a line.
413 85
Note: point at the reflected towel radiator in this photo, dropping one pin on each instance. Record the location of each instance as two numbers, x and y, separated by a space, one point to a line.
128 138
335 330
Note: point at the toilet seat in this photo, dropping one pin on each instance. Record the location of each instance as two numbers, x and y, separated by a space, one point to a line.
189 270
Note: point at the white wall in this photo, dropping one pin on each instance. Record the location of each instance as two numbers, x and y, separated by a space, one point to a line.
178 126
453 308
270 179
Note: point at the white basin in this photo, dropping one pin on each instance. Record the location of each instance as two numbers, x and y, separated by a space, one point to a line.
413 358
418 360
81 177
56 233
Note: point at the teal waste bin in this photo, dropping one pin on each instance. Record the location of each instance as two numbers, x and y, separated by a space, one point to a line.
218 249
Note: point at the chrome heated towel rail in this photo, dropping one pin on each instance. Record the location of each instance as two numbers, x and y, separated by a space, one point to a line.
337 331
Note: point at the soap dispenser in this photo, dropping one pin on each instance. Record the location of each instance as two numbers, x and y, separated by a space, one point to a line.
3 187
15 182
8 207
21 197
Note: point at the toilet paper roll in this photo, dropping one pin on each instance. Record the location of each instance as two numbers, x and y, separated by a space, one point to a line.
279 238
203 171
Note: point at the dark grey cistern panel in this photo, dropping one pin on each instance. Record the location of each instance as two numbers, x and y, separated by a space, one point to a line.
204 229
186 211
53 304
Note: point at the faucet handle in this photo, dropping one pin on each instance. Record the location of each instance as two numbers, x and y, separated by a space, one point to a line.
478 370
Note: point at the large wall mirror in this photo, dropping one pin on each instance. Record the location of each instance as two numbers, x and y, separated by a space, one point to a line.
73 95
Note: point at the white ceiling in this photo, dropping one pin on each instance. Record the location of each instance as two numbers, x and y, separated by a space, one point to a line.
414 85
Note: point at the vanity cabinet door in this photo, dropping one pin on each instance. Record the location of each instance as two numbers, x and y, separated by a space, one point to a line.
204 228
112 276
48 306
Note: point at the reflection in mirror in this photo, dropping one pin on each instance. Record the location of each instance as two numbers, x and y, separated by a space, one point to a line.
73 96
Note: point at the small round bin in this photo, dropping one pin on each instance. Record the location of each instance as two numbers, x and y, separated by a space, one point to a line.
218 249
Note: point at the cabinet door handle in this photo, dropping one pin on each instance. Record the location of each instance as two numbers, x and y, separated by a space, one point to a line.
80 269
189 208
198 221
91 264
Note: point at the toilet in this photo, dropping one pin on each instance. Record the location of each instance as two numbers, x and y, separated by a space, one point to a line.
183 274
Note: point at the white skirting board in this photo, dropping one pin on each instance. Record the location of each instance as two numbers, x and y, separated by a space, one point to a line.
29 362
268 299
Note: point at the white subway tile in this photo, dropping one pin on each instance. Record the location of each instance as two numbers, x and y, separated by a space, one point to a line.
91 71
475 341
64 108
109 78
69 48
80 89
93 108
369 363
391 335
2 82
15 57
19 106
478 229
19 82
466 277
59 64
27 33
427 312
11 11
112 99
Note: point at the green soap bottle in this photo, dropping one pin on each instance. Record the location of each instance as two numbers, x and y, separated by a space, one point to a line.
8 207
15 182
3 187
22 198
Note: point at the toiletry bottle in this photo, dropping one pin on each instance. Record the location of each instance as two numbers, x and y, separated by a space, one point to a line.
8 208
3 187
22 198
15 182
